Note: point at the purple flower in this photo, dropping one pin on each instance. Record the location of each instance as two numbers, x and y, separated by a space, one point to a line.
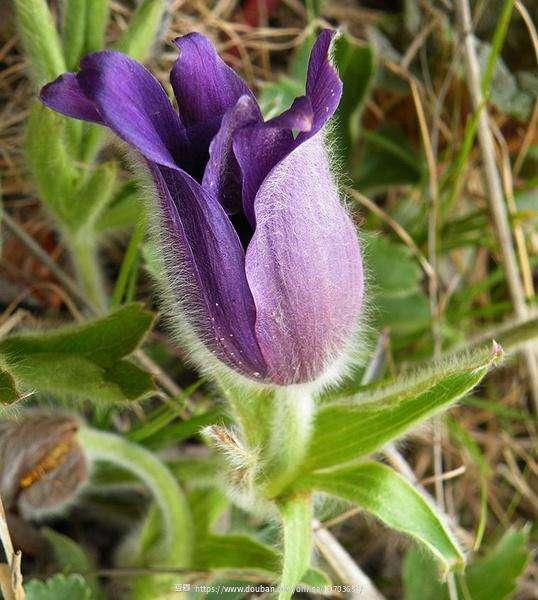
261 257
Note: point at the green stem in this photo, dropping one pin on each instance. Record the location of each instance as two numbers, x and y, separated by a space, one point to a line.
83 250
290 437
175 513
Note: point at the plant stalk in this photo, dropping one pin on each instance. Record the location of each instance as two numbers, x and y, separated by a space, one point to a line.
83 251
175 513
290 436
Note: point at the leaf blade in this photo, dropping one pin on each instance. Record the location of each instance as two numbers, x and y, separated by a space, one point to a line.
382 492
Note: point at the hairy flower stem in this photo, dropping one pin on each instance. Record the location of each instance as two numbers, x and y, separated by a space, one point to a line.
83 250
290 436
172 504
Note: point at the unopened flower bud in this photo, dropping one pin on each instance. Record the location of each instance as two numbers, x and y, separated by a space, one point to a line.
41 464
262 260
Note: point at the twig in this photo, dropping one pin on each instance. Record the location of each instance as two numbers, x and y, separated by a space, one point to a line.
10 574
343 565
493 181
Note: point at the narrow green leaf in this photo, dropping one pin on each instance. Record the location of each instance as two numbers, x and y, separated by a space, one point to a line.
40 39
363 423
97 12
392 499
74 31
8 388
59 586
129 263
158 419
138 39
296 513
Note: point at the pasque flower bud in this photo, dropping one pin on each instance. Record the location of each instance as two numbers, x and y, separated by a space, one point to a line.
261 258
41 464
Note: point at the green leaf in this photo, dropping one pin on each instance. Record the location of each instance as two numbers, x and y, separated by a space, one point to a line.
87 361
296 513
8 388
162 416
59 586
72 558
141 34
493 577
51 165
40 39
392 266
397 296
233 552
356 68
392 499
74 31
363 423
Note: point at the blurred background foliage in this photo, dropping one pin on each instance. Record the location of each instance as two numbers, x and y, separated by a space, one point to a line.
404 140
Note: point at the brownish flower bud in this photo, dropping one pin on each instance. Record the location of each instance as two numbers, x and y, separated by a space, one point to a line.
41 464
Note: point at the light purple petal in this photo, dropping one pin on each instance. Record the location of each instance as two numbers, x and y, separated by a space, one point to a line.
303 267
223 175
65 96
259 147
135 106
205 87
206 265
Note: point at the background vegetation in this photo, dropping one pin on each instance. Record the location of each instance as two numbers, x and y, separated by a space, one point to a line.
448 214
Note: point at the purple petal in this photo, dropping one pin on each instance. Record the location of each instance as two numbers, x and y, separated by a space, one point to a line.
303 267
259 147
135 106
223 175
323 86
206 263
205 87
65 96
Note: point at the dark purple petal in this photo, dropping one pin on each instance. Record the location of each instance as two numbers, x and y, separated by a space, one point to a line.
65 96
205 87
206 268
223 175
323 86
303 267
259 147
135 106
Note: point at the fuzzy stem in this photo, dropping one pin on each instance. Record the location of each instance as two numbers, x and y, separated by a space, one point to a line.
290 436
175 514
83 250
